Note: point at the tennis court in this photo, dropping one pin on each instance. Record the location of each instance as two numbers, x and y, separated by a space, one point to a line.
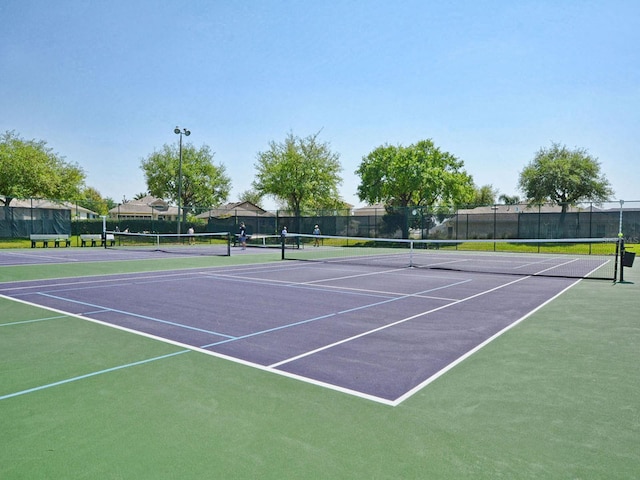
280 350
380 333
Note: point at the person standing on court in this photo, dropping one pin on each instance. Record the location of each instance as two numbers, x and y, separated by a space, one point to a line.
243 235
190 232
316 232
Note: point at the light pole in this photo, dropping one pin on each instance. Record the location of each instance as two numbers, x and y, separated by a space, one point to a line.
180 131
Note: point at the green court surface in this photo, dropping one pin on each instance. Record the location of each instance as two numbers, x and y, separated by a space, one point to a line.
556 397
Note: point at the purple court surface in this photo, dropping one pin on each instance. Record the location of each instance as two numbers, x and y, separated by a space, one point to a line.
51 255
381 334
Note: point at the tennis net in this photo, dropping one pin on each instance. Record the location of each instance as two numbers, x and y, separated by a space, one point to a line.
212 244
572 258
259 241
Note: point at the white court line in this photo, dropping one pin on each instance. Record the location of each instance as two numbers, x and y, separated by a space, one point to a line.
463 357
333 314
35 255
187 349
384 327
109 278
136 315
341 289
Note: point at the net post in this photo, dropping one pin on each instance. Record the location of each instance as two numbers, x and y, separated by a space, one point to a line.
615 261
621 243
621 259
282 238
411 254
104 230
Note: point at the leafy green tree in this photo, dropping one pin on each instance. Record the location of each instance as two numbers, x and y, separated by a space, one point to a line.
303 173
485 195
90 198
326 205
111 203
29 168
203 182
565 177
251 196
418 175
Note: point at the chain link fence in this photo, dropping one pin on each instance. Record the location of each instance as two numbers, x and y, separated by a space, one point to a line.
21 218
522 221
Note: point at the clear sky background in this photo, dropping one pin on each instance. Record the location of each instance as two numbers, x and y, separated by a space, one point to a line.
104 83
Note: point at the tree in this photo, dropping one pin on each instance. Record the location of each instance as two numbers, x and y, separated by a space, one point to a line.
29 168
111 203
485 195
509 199
91 199
564 177
203 183
417 175
301 172
251 196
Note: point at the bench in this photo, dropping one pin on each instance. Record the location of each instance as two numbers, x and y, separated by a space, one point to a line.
57 239
92 239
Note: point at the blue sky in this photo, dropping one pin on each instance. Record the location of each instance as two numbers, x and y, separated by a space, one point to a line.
492 82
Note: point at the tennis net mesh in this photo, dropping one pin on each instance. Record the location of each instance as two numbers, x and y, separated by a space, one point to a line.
572 258
212 244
